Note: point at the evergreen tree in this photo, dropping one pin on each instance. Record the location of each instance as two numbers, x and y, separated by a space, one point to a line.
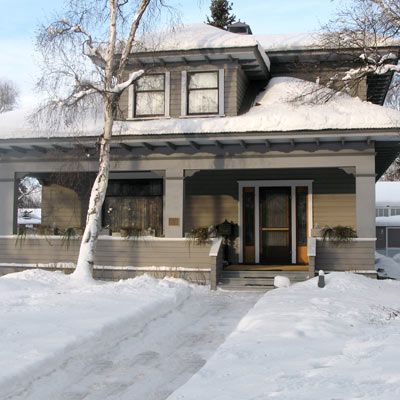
221 15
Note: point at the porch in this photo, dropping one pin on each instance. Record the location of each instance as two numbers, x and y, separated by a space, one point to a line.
275 204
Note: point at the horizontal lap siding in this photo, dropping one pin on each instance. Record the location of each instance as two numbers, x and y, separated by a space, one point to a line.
208 210
346 257
335 209
172 254
242 85
212 196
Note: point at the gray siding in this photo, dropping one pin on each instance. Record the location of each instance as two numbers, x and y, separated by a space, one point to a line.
242 85
113 255
212 196
352 256
234 86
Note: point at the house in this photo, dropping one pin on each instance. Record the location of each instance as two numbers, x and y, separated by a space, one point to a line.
223 127
388 218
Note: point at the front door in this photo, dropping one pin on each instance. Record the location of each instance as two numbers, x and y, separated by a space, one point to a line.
275 227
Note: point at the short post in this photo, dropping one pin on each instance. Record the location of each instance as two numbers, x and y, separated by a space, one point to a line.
321 279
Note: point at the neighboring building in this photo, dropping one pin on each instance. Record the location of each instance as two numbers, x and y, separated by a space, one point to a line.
213 132
388 218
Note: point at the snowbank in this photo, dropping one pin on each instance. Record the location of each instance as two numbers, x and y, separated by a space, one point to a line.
306 343
43 314
387 194
388 267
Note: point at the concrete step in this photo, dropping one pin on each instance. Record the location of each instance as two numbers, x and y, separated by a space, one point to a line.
257 280
266 274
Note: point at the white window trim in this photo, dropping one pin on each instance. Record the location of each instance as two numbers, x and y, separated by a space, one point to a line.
221 92
276 183
183 94
221 95
167 92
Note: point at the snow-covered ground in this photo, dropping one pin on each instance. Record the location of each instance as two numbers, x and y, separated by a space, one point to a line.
154 340
305 343
134 339
388 267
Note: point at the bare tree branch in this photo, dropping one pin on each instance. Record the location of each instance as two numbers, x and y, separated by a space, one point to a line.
8 96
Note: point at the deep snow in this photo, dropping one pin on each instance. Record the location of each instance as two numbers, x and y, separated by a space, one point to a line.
135 339
305 343
283 96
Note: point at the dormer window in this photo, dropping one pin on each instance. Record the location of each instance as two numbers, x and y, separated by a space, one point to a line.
149 99
202 93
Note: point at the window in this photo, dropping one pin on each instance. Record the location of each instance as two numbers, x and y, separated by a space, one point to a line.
150 96
395 211
380 238
394 237
203 93
382 212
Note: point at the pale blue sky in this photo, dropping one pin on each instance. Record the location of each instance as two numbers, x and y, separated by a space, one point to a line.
20 18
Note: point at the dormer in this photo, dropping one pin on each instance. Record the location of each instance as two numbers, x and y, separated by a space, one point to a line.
196 71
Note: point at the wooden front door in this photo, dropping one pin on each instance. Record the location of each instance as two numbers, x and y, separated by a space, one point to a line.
275 226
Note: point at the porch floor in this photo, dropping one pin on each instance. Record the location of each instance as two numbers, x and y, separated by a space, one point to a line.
257 267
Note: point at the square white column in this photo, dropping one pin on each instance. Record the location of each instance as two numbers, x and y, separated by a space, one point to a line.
365 205
7 205
173 203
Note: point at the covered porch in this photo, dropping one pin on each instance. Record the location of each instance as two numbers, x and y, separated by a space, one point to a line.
276 198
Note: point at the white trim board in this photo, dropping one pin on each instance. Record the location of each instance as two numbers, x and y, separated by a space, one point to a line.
273 183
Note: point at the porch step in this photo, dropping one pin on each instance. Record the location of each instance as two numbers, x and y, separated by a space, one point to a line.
257 280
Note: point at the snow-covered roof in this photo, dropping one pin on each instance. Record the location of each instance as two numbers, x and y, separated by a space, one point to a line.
387 194
289 41
199 37
277 109
393 220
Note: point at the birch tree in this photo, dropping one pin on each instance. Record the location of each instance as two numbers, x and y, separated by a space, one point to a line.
364 33
85 54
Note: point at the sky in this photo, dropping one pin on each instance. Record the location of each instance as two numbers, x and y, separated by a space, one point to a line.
19 21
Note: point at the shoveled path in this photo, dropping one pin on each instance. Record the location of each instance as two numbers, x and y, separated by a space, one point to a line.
149 365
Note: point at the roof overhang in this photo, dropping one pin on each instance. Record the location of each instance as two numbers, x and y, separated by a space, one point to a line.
385 143
254 64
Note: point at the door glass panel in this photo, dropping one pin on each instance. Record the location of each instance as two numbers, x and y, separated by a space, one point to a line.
275 230
301 216
249 237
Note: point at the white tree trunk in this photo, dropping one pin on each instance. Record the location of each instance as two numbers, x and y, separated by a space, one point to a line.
84 267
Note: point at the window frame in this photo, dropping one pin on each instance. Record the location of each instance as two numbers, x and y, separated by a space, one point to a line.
136 91
188 90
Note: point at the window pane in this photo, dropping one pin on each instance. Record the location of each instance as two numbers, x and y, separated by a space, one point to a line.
203 80
380 238
301 215
150 82
203 101
386 212
149 103
393 237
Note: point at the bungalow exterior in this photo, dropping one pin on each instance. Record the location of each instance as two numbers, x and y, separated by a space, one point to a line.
222 127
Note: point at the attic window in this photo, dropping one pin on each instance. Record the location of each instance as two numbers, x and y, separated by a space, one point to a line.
203 93
150 96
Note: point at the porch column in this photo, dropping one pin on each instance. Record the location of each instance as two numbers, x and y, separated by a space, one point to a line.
7 204
173 203
365 205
